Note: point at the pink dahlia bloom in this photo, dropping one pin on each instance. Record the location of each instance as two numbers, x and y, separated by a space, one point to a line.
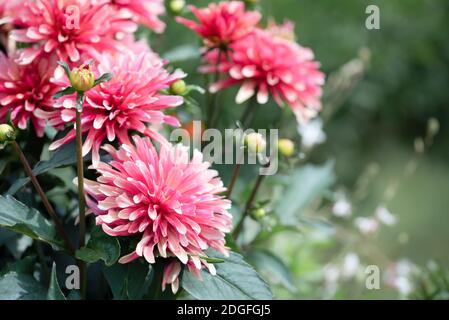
223 23
146 12
172 202
129 101
8 9
70 28
25 90
266 65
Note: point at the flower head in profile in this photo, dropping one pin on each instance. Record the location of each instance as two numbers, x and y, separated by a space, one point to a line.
222 24
170 201
70 28
25 90
146 12
129 101
265 65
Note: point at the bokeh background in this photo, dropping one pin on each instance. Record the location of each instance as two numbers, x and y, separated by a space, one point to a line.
378 129
385 115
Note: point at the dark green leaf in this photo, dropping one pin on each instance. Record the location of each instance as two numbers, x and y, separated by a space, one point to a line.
17 217
235 280
103 78
64 156
303 186
24 266
64 92
100 247
129 281
3 164
54 291
272 267
66 68
18 286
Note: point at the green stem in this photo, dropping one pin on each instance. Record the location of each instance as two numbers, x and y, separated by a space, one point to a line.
249 205
248 115
213 109
81 196
58 223
235 175
246 120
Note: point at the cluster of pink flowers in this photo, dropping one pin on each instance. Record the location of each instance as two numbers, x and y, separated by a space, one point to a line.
264 62
171 201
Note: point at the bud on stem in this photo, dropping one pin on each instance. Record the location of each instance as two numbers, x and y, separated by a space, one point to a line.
7 133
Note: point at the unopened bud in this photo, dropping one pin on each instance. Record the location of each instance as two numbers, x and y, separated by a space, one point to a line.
7 133
82 78
433 126
258 213
176 6
286 147
419 145
178 87
255 142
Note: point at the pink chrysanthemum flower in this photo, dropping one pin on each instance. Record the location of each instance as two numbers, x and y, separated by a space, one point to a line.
25 90
70 28
223 23
171 201
146 12
266 65
129 101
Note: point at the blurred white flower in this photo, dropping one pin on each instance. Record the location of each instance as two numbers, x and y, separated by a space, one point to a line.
366 225
331 277
385 216
399 276
404 268
342 207
351 264
312 133
403 285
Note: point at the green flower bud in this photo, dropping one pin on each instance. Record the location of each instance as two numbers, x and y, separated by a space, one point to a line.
255 142
82 78
178 87
176 6
7 133
286 147
258 214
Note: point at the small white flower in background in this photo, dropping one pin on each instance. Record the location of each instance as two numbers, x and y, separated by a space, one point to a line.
399 276
403 285
342 207
351 264
312 133
331 277
385 216
366 225
404 268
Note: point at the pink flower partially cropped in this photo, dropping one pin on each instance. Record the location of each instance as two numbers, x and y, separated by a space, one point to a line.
70 28
265 65
146 12
170 201
26 90
129 101
223 23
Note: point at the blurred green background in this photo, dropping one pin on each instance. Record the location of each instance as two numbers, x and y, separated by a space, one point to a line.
406 83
